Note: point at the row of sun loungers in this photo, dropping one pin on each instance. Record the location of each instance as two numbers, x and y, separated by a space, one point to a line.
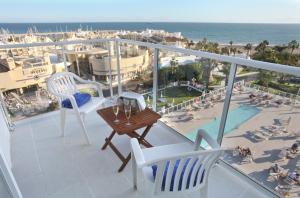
268 100
278 128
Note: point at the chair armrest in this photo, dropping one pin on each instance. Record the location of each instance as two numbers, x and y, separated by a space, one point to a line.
137 152
203 135
98 85
66 96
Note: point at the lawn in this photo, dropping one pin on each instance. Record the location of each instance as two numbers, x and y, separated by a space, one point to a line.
179 94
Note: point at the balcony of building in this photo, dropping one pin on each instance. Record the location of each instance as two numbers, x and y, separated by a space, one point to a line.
45 164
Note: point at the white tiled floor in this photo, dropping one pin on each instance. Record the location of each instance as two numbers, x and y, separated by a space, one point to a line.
48 166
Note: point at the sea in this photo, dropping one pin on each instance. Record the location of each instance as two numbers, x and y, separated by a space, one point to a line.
239 33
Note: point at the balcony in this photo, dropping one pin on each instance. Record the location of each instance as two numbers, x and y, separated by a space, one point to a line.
47 165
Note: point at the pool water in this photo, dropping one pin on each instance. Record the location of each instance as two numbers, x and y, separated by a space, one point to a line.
235 118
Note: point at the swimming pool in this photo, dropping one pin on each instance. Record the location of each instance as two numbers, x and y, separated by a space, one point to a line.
235 118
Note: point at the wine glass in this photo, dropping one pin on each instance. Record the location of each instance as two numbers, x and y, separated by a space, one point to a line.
116 111
127 109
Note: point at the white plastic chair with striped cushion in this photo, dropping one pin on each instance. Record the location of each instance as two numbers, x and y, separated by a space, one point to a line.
175 168
63 85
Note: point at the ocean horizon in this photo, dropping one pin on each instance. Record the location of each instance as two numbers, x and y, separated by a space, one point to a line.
239 33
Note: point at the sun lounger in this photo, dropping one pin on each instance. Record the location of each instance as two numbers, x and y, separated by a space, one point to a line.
296 134
274 129
247 159
291 179
258 136
288 102
276 172
196 106
283 189
283 122
282 155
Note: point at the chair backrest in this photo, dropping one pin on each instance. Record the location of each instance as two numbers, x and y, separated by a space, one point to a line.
62 83
186 172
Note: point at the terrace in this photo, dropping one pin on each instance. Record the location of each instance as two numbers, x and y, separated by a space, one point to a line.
44 164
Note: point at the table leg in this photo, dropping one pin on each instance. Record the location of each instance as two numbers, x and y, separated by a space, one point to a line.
125 161
142 140
108 140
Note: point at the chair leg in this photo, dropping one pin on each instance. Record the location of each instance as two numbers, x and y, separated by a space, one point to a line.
81 122
203 192
134 172
62 121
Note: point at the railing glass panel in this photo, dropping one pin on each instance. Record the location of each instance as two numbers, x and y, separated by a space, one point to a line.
191 93
23 83
262 128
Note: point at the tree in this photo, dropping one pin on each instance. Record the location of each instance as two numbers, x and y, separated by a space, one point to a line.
248 47
230 43
293 45
234 50
190 44
212 47
262 46
225 70
225 50
264 78
202 45
209 65
174 65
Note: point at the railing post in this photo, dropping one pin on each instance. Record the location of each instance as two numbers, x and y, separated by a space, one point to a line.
227 102
64 57
77 64
118 57
110 70
155 79
3 109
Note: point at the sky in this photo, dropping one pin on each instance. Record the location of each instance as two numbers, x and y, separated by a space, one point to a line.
229 11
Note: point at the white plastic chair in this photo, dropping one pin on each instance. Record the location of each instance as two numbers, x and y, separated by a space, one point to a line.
63 85
180 167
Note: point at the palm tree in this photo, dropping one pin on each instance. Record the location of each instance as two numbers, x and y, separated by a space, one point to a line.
202 45
225 70
266 42
293 45
225 50
208 66
262 46
212 47
230 43
248 47
191 43
234 50
174 65
204 41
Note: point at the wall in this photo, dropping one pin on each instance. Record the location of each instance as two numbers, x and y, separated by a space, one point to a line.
8 185
131 64
5 139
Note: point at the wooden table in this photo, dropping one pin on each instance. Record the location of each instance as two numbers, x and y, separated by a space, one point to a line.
145 118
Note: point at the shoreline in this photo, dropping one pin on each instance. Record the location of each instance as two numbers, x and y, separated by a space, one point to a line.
239 33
